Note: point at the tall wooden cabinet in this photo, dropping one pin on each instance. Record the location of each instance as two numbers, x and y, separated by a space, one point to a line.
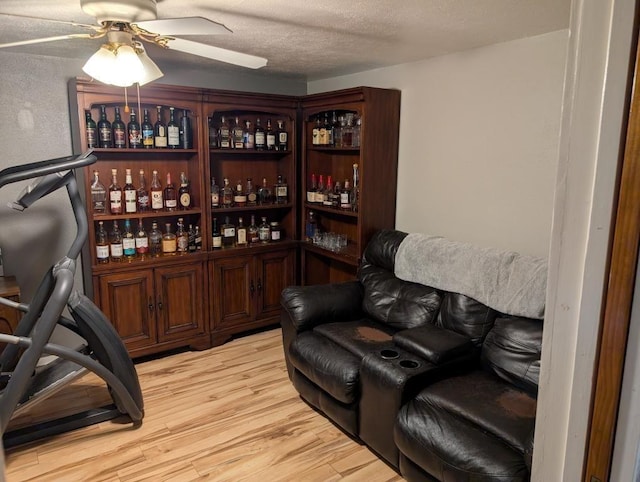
203 298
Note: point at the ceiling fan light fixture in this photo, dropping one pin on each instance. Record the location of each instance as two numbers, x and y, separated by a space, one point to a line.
101 65
128 68
151 70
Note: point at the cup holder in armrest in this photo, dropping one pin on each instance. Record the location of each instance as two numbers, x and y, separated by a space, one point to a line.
409 364
389 354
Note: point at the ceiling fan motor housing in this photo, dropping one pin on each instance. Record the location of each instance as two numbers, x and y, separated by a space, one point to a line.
127 11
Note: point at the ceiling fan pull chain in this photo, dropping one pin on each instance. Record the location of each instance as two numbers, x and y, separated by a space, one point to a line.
138 93
126 101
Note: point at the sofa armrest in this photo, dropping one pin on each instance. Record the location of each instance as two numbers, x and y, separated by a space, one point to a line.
307 306
435 344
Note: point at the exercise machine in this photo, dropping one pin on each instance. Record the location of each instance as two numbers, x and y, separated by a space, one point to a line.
32 368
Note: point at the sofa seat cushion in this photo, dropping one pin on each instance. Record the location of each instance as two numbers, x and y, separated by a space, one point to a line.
470 427
359 337
327 365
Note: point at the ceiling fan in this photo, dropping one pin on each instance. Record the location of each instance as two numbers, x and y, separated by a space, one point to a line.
126 24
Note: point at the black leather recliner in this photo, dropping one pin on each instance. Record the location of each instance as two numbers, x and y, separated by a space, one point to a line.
441 386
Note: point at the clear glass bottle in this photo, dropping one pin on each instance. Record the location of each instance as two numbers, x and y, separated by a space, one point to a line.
184 193
98 195
173 130
169 241
157 202
147 131
142 194
182 238
347 131
228 233
315 133
252 231
227 194
155 240
105 135
281 191
264 231
216 237
91 130
130 194
355 188
224 134
135 135
239 196
170 195
119 131
260 136
159 130
242 237
345 196
115 244
270 137
237 133
283 137
115 194
128 241
248 137
319 197
215 194
142 241
102 244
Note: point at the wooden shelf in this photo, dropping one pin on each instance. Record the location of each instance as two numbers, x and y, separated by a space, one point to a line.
326 209
353 150
146 215
148 262
152 154
258 207
349 255
248 152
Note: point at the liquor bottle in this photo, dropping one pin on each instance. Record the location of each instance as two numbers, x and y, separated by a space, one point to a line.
264 231
115 194
227 194
315 133
184 193
320 192
224 134
311 226
214 141
345 196
182 238
253 232
198 239
337 131
142 195
192 239
250 192
159 130
270 136
142 241
264 193
347 131
102 244
326 195
135 136
185 133
216 237
173 130
283 137
335 195
322 131
128 241
312 190
236 134
228 233
260 138
248 138
157 203
130 194
281 191
356 131
355 189
241 233
115 244
239 196
215 194
91 130
105 138
155 240
169 241
147 131
98 195
331 129
170 195
119 131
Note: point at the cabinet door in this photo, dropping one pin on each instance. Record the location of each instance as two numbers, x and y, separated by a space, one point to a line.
274 272
233 291
179 301
127 300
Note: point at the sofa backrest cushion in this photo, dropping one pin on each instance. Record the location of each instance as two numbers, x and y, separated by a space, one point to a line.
398 303
466 316
512 350
382 248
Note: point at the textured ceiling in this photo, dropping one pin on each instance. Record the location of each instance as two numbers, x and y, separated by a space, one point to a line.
309 40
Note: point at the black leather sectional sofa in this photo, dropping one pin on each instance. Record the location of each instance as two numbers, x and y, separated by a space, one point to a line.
440 385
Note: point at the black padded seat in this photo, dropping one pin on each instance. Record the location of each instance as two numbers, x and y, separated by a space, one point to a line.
359 337
470 427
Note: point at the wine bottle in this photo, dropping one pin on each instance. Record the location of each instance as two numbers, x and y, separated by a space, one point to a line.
119 131
115 194
91 130
104 129
130 194
173 130
159 130
170 195
102 244
135 136
185 134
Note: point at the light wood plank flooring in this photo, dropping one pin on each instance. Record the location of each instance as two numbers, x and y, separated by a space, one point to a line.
225 414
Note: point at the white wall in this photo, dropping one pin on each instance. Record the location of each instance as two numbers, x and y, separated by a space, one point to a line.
478 141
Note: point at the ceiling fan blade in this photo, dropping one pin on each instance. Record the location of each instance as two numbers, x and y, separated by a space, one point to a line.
217 53
64 22
183 26
45 39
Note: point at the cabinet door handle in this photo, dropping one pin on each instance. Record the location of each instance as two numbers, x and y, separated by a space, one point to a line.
151 307
159 304
251 288
259 285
